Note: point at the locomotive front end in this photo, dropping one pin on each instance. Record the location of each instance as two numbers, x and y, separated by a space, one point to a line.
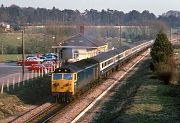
63 83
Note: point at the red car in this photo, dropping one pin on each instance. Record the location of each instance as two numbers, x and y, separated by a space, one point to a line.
27 62
30 61
40 67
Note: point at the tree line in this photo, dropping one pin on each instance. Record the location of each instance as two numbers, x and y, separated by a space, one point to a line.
20 16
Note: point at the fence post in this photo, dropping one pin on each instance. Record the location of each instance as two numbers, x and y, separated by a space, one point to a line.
42 73
19 80
39 73
13 82
27 77
2 87
7 84
32 75
47 71
35 75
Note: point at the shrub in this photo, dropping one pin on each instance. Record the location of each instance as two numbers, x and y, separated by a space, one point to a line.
166 71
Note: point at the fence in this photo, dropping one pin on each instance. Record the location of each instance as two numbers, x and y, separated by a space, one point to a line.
19 80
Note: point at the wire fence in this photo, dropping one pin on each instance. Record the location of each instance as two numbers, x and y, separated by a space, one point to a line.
14 81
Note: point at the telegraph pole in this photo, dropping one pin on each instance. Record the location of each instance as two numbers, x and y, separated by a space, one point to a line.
23 56
120 31
2 48
178 36
170 33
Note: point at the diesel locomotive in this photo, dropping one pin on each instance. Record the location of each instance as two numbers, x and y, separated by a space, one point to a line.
70 79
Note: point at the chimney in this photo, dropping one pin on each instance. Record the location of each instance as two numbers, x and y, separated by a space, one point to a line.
82 29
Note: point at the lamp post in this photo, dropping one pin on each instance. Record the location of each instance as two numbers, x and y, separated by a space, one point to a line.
120 31
23 55
53 41
170 33
53 38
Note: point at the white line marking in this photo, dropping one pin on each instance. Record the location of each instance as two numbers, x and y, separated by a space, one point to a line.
100 96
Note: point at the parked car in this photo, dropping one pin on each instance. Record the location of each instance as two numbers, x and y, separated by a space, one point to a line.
30 60
50 58
34 59
27 62
29 56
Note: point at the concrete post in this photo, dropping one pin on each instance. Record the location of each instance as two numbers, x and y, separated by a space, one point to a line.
2 87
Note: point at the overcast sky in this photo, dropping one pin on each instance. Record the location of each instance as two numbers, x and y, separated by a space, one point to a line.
155 6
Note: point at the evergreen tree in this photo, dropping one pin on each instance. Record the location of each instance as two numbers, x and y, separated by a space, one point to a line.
162 49
162 57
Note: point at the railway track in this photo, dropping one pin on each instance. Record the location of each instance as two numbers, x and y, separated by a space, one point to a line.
45 114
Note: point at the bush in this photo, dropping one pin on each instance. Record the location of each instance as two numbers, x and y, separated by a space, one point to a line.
165 72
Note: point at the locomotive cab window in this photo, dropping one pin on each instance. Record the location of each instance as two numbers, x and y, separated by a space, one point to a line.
67 76
57 76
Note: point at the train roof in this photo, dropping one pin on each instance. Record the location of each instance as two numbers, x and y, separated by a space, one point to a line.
106 55
76 66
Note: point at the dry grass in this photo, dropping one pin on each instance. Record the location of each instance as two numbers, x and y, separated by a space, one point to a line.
21 99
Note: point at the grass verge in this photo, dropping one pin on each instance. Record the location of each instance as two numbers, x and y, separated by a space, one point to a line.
9 58
143 99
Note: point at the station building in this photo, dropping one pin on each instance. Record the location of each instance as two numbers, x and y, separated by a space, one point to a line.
79 47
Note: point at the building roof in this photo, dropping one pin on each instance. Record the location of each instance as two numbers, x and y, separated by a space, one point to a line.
82 40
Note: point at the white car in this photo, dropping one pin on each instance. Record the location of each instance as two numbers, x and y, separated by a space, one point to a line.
34 59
